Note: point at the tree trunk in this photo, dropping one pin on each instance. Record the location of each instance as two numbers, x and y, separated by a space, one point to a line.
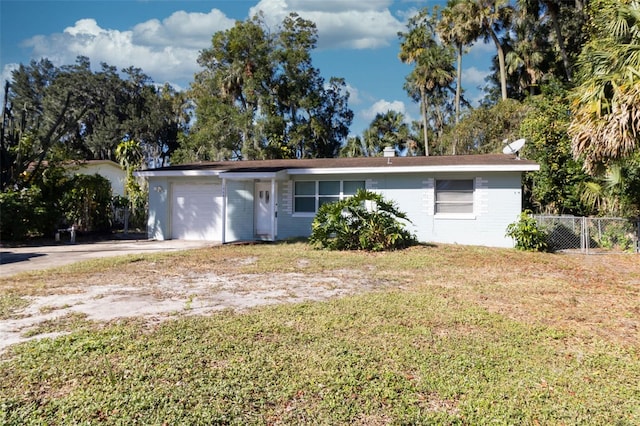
423 99
553 11
458 83
503 72
458 94
46 140
3 158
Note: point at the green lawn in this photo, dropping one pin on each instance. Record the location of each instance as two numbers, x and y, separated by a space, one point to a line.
454 335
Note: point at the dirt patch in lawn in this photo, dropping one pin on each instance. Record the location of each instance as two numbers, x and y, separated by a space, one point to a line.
190 294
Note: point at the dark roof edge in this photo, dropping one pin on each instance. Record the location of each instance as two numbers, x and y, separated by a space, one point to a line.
359 162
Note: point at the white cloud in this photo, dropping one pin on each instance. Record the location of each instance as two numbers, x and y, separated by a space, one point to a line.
406 14
338 5
84 27
381 107
482 49
6 74
473 80
166 50
473 77
354 95
189 30
347 24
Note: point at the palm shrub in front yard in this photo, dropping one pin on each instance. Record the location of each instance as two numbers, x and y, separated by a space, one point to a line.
365 221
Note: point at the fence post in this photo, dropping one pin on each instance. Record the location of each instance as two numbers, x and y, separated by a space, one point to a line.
584 236
587 237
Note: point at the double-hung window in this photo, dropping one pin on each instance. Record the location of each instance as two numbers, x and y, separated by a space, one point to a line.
310 195
454 196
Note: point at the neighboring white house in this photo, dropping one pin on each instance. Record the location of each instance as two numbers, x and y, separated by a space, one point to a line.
466 199
105 168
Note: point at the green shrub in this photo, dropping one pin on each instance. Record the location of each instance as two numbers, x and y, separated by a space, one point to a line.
53 201
362 222
529 236
88 203
24 213
618 235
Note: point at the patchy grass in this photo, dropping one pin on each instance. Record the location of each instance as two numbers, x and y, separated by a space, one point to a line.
72 321
457 335
10 304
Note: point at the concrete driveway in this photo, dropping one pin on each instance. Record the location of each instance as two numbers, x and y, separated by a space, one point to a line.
14 260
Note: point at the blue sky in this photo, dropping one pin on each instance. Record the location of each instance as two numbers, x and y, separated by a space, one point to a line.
357 40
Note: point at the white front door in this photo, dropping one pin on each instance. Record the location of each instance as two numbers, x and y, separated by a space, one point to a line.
263 209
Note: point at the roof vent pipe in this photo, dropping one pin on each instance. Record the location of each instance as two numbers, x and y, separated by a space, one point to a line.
389 152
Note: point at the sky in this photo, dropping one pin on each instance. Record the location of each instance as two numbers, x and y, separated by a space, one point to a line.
357 40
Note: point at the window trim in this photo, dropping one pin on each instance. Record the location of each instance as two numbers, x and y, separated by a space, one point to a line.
449 215
317 196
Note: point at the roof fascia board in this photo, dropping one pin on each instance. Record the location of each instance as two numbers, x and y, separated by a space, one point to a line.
340 170
175 173
418 169
253 175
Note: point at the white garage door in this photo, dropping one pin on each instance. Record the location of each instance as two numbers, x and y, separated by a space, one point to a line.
195 212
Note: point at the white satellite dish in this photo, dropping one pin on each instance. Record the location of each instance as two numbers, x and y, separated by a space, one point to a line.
514 147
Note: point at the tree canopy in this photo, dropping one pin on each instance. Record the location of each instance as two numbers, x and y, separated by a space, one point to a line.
566 76
54 114
433 70
386 130
259 96
606 103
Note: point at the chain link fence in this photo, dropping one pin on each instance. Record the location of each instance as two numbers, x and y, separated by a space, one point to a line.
591 234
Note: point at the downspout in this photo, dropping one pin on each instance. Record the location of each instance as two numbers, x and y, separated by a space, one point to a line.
224 210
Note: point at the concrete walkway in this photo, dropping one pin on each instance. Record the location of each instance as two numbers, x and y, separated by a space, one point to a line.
14 260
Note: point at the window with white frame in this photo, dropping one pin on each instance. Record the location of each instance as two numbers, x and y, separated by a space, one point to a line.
310 195
454 196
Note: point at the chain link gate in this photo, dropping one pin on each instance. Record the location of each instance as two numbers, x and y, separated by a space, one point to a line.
591 234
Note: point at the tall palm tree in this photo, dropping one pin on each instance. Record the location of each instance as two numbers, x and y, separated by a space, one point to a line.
606 106
525 57
492 17
433 68
552 10
433 74
457 28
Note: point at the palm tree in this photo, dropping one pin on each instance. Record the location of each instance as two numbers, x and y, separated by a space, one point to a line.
457 28
606 106
354 148
607 194
427 79
388 129
525 57
492 17
433 64
552 9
